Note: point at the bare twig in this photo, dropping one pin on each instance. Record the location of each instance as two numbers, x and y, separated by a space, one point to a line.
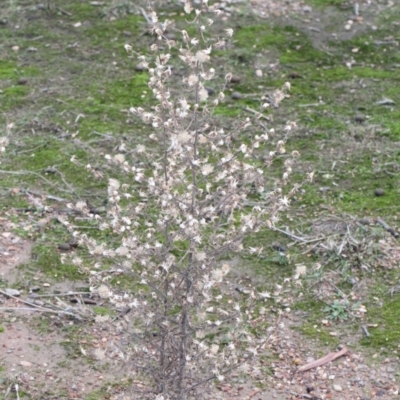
36 307
34 295
298 238
343 295
381 222
146 17
255 112
44 310
365 331
324 360
312 104
62 11
17 391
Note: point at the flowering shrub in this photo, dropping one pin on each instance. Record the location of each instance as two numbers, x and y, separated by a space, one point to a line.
175 220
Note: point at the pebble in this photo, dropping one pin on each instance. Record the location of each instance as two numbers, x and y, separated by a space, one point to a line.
13 292
337 388
236 95
64 247
379 192
359 118
210 90
25 364
324 189
235 79
140 67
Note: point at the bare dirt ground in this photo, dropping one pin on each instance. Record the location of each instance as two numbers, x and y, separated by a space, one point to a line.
34 352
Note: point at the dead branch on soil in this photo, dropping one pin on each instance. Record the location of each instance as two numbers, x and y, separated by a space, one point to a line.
381 222
324 360
40 308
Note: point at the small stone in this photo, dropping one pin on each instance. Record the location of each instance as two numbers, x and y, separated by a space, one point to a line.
98 210
140 67
324 189
12 292
73 243
25 364
236 95
46 284
337 388
34 289
359 118
210 90
390 369
22 81
64 247
127 34
278 247
379 192
170 36
235 79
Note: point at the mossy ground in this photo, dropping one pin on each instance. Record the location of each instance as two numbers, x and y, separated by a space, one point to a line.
79 83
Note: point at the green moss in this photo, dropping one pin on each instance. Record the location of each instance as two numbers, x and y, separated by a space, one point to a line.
1 329
47 259
10 70
13 96
317 332
258 37
324 3
387 334
102 310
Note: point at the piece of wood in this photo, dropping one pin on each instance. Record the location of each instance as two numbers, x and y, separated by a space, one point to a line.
324 360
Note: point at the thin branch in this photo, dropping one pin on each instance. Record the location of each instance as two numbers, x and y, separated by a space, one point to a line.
257 113
381 222
298 238
43 310
34 296
36 307
27 173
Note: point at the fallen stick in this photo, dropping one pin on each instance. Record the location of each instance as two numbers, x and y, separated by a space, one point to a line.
365 331
257 113
381 222
299 239
324 360
43 310
35 296
36 307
